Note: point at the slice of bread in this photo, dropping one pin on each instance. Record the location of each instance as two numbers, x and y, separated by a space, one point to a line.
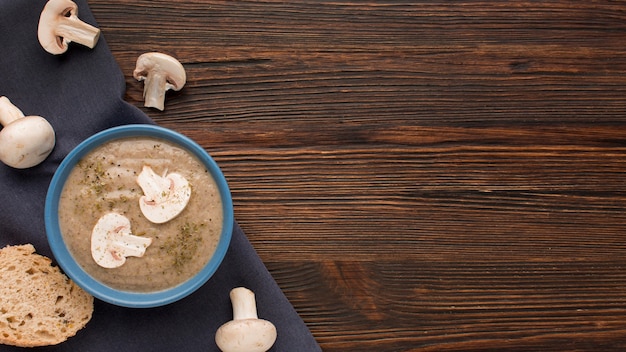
39 305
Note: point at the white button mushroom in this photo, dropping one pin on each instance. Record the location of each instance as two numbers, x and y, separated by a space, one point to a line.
246 332
112 241
164 197
59 25
160 73
25 141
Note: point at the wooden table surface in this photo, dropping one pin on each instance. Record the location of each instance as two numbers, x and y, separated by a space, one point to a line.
417 176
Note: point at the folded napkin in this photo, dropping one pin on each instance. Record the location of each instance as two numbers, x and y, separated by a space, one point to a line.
81 93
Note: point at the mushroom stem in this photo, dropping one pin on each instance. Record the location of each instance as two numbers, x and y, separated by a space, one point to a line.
153 185
8 111
244 304
154 90
72 29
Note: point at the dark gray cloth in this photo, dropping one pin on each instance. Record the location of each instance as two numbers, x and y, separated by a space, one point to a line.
80 93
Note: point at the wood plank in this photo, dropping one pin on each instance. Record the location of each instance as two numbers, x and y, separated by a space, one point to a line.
417 176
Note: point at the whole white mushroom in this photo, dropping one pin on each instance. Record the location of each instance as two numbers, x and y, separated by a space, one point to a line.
25 141
246 332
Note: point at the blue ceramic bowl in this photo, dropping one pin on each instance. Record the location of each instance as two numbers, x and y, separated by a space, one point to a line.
80 276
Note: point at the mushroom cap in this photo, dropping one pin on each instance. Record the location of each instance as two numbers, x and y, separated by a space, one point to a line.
246 335
172 69
47 22
26 142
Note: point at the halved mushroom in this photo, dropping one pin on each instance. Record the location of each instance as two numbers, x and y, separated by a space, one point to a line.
164 196
160 73
112 241
59 25
25 141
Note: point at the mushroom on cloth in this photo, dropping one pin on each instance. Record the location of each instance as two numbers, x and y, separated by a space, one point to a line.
160 73
246 332
25 141
112 241
59 25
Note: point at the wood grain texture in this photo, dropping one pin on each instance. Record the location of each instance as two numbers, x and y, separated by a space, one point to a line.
417 176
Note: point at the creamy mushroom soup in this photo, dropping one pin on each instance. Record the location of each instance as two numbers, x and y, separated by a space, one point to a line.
105 182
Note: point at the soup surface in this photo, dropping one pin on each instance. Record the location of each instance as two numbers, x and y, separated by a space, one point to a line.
105 181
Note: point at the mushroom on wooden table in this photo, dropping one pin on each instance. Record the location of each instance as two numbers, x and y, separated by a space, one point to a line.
160 73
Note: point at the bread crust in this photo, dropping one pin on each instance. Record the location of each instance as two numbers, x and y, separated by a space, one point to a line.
39 305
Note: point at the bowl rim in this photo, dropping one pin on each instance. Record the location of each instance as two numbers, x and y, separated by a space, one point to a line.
99 290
